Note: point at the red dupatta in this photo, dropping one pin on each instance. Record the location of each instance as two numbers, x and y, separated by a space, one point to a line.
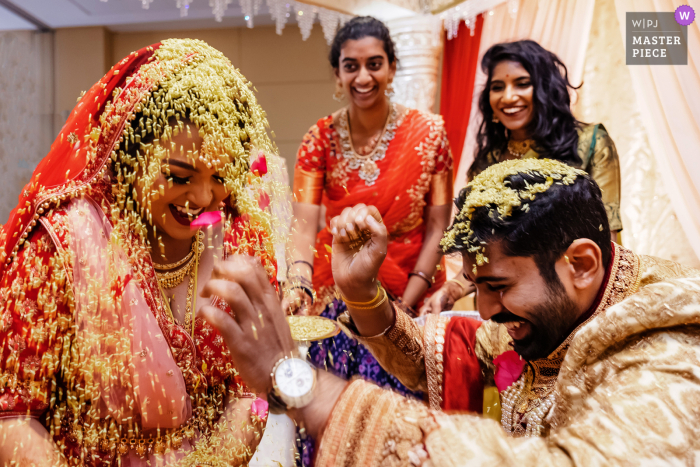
417 153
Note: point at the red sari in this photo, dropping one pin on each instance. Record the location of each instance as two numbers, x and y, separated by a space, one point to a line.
416 171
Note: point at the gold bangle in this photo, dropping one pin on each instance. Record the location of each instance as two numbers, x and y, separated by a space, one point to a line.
348 302
377 305
461 286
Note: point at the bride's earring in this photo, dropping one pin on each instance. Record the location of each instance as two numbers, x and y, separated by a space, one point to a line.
494 119
389 92
339 94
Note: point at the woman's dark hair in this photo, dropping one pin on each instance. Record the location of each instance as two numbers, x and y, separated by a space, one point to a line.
357 28
553 126
544 227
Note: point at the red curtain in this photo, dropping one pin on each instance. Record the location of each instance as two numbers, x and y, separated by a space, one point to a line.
459 65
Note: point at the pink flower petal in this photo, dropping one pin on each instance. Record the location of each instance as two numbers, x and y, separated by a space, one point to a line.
260 408
259 166
509 366
206 219
263 200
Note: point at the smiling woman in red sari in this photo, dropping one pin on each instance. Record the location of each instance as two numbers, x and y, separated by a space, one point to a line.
103 360
378 153
375 152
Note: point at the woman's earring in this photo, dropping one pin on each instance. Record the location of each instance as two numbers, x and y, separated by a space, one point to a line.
389 92
494 119
566 258
338 95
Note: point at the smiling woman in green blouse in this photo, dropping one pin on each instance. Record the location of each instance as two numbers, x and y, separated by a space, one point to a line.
526 113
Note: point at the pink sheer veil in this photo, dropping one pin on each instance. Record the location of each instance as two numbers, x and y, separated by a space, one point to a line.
126 364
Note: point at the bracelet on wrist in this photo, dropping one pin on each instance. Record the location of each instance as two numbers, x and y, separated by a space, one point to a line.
295 279
423 276
348 302
307 290
301 283
301 261
376 302
373 306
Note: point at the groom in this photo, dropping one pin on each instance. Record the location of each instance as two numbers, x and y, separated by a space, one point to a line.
594 350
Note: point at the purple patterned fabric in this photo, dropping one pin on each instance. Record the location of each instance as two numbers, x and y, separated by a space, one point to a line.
346 358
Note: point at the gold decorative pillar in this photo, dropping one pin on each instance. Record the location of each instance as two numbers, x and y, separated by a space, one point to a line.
419 43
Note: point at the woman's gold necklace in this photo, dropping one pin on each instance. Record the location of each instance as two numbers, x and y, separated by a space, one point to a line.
519 148
367 161
166 267
170 279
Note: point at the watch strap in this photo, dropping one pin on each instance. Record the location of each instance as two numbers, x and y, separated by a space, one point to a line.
276 405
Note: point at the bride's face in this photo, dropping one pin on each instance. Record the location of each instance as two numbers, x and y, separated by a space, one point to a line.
188 190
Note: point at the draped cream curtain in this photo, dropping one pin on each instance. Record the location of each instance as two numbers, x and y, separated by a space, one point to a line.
561 26
650 221
669 100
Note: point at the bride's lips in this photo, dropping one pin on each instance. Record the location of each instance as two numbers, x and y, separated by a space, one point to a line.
180 217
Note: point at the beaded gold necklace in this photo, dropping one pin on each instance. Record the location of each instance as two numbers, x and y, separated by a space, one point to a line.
367 162
518 149
171 279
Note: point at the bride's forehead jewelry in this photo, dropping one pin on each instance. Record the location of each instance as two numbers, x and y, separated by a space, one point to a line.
492 189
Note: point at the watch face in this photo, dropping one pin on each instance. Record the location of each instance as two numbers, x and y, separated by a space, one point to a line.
294 377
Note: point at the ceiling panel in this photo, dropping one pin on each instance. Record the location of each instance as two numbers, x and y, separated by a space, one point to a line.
10 21
130 14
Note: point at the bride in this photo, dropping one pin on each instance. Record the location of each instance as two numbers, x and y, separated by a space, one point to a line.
104 362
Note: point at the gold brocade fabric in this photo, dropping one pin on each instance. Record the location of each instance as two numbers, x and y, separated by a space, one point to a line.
399 350
626 393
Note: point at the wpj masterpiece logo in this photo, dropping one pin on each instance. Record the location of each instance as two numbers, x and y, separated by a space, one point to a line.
656 39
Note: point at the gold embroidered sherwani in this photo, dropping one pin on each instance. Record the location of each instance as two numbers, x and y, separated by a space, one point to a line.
624 388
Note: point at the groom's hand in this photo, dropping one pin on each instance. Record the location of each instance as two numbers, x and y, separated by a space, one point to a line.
359 248
258 336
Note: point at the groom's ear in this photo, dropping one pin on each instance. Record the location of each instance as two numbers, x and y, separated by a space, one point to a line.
584 261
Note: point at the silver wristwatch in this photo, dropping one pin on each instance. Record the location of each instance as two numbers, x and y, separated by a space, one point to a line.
293 382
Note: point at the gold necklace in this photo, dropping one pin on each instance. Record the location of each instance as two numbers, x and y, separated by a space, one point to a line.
191 269
170 279
367 163
165 267
189 322
519 148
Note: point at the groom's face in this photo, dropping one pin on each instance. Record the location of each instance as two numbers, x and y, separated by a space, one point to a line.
537 313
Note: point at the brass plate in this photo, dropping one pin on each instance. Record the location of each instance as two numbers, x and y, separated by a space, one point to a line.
312 328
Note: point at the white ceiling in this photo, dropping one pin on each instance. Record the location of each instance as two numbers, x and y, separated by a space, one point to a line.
124 15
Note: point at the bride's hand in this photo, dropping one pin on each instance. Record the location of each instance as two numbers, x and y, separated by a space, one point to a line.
359 248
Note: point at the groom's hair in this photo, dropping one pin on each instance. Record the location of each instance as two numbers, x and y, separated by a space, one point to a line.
544 227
